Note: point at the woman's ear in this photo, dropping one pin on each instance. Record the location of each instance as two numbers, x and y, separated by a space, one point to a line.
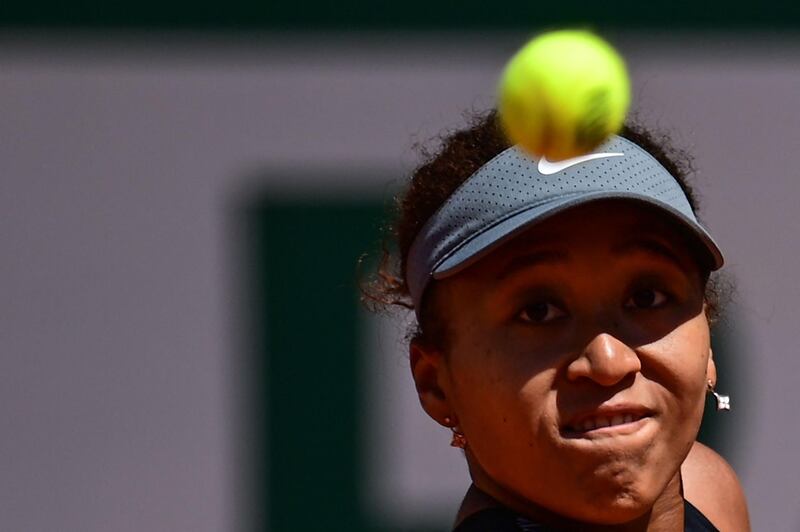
711 368
428 370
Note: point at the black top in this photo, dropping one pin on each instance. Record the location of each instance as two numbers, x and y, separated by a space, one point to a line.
503 520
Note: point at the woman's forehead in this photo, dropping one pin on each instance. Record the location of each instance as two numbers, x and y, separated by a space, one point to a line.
608 224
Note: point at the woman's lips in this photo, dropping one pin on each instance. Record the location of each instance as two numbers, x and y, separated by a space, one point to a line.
607 420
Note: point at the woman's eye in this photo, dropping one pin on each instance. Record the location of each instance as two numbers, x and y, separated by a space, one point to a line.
541 312
646 298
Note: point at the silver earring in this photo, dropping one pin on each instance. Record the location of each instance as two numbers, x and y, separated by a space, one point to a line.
723 401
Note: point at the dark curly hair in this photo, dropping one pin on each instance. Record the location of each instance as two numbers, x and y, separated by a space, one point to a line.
457 156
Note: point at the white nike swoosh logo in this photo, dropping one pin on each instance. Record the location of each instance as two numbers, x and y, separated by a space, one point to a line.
551 167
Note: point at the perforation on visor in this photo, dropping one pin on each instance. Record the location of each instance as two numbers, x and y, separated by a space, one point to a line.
509 194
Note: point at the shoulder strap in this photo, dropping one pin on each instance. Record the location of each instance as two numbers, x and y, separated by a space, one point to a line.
694 520
498 520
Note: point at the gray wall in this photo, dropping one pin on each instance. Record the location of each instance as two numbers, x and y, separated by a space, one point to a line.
119 158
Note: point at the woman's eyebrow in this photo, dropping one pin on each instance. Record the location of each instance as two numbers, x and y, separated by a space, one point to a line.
651 246
532 259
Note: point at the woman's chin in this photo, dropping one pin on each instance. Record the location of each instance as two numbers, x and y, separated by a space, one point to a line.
608 503
598 502
601 498
625 508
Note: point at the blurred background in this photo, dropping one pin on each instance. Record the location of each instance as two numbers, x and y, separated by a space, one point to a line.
186 189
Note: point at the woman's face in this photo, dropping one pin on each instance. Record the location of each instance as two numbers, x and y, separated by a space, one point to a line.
576 361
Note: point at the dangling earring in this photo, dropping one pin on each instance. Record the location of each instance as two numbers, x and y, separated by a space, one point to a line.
458 440
723 401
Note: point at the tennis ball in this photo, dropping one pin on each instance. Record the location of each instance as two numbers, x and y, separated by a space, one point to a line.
563 94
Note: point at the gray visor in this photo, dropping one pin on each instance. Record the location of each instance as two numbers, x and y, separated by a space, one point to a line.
513 191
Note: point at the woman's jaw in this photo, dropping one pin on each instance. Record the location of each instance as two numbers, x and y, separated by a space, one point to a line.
666 513
607 475
603 476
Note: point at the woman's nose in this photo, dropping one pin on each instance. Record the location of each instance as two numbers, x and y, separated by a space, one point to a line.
605 360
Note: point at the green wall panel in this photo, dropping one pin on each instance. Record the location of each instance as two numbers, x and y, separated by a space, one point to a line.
312 376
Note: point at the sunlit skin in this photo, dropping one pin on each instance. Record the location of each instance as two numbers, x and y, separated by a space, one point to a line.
595 312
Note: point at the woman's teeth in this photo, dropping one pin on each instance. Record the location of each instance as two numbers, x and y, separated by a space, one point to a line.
604 421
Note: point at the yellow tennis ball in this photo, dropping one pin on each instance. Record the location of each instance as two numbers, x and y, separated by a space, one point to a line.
563 94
